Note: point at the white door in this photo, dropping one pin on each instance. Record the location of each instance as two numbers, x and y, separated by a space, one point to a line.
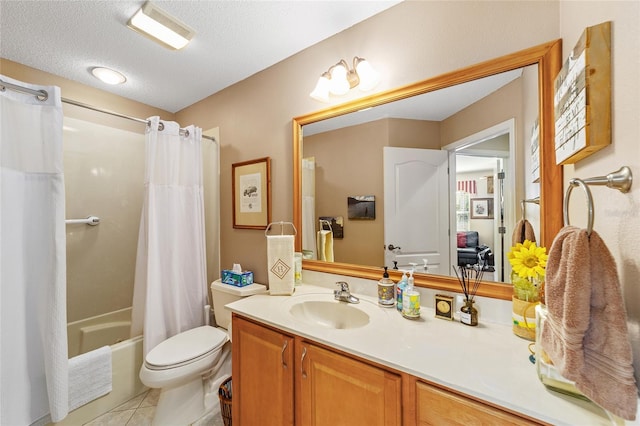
416 209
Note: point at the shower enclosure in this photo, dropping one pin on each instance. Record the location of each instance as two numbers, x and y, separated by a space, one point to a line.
104 177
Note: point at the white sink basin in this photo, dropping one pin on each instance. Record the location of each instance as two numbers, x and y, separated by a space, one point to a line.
330 314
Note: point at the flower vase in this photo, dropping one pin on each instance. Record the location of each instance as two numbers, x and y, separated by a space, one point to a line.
526 296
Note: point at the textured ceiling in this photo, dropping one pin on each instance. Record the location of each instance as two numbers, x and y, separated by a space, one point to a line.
234 40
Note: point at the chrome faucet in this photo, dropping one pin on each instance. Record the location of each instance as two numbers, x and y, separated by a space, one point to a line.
343 294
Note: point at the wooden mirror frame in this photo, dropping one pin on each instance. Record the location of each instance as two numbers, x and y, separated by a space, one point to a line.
548 57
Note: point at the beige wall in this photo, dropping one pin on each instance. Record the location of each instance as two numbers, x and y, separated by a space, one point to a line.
407 43
353 155
617 215
349 161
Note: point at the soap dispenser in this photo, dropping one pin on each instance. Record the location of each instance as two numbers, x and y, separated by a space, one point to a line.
400 289
410 300
386 290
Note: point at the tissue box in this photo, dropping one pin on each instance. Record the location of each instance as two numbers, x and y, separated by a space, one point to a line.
237 279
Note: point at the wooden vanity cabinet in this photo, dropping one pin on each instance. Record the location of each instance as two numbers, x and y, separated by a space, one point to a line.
336 389
437 406
262 371
330 388
281 379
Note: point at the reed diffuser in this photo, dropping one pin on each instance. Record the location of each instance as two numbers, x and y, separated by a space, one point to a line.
469 277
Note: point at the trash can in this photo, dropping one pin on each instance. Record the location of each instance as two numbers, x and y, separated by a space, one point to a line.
224 393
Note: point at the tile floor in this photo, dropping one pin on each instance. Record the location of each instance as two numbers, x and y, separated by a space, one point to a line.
139 411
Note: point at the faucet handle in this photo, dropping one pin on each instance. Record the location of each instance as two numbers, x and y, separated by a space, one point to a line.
344 286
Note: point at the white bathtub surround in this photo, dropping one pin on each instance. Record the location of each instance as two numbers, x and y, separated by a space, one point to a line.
170 279
89 376
92 333
33 357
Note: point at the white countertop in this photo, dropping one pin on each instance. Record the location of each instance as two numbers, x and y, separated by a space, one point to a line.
487 361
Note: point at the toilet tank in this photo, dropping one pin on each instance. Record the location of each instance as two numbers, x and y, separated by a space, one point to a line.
223 294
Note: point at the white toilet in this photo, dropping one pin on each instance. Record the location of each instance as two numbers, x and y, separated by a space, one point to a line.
192 364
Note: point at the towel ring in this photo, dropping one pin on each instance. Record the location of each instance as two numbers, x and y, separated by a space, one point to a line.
583 185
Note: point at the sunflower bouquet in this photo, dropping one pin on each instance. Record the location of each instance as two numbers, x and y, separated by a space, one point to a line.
528 263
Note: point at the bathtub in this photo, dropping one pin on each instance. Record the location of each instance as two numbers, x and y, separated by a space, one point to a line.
126 354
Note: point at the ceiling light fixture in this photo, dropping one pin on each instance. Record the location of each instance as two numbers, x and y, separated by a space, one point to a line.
107 75
339 79
161 27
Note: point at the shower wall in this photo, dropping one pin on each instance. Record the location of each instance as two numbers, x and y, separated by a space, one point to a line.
104 177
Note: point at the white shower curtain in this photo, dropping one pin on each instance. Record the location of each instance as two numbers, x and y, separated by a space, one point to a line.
309 207
170 281
33 353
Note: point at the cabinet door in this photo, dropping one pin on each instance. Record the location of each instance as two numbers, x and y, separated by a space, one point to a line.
339 390
262 375
436 406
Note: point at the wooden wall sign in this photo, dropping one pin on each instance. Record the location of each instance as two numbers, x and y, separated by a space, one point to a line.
535 152
583 97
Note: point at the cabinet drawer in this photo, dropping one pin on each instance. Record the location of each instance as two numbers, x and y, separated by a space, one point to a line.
436 406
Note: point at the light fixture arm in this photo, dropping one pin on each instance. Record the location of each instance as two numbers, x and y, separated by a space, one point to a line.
351 75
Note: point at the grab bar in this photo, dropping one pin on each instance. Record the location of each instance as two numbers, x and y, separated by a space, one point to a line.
91 220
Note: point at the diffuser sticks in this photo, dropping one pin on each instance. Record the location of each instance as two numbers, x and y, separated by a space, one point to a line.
469 277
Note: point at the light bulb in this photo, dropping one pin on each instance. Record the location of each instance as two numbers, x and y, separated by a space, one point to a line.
321 91
338 85
108 76
369 77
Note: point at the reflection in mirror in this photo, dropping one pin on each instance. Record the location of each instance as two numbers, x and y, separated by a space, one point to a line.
414 226
481 136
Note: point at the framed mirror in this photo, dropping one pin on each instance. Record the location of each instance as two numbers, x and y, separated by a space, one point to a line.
546 58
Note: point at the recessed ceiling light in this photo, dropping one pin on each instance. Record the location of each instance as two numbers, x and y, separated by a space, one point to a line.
108 76
161 27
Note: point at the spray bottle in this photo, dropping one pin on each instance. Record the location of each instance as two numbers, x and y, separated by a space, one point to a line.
400 288
410 299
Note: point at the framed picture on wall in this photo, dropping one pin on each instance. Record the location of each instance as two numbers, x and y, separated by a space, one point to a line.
361 207
251 191
482 208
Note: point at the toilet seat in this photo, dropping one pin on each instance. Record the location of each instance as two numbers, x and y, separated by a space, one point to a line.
186 348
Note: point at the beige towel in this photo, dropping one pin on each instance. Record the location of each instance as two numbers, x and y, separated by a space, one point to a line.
280 250
523 231
585 334
325 245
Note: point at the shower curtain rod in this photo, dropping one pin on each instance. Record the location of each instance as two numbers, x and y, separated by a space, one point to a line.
43 96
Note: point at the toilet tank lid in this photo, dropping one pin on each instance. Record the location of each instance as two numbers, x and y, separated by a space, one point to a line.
186 346
248 290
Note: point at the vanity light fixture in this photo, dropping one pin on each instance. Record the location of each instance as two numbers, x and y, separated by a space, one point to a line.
339 79
107 75
161 27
